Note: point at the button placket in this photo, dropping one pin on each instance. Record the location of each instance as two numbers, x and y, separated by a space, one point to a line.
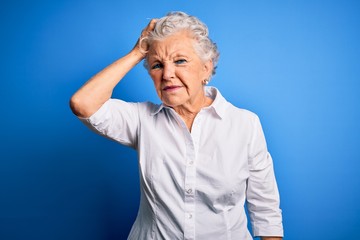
190 171
190 178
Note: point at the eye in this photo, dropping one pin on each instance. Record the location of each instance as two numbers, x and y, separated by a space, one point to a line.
156 66
180 61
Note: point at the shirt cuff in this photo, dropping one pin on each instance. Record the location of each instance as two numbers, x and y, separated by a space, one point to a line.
269 231
94 119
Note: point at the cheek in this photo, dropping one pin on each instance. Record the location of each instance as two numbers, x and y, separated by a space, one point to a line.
156 79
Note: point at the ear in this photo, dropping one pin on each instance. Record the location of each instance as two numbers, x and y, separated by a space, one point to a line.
208 68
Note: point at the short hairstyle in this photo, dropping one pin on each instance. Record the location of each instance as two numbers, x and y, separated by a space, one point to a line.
174 22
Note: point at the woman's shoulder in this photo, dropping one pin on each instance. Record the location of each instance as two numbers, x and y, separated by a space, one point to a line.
235 111
149 107
142 105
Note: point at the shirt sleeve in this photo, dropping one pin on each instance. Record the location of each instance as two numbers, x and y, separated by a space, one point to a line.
117 120
263 200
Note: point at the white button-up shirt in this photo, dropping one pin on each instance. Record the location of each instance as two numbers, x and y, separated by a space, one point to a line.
194 184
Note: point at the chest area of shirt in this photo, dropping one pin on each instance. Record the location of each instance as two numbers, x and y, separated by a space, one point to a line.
211 155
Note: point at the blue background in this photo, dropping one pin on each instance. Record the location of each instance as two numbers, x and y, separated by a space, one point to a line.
295 63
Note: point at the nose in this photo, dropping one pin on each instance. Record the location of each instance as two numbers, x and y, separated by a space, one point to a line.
168 71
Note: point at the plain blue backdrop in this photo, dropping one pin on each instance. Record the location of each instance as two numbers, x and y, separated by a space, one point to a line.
295 63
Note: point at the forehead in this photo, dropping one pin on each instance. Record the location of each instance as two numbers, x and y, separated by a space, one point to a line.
180 43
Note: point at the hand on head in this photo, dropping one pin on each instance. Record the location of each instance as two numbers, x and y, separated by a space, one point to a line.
142 45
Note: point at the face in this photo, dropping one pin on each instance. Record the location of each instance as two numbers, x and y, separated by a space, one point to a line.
177 71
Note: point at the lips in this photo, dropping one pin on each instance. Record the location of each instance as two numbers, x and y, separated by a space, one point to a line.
169 88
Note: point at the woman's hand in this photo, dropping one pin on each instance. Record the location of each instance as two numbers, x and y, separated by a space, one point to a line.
142 46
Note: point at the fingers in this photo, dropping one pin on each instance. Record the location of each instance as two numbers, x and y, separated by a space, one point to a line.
142 42
150 27
151 24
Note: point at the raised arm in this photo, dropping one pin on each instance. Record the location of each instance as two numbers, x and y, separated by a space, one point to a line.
95 92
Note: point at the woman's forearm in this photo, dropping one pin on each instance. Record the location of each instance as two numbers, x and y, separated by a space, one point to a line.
95 92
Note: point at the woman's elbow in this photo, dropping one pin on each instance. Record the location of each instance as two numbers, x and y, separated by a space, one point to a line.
80 107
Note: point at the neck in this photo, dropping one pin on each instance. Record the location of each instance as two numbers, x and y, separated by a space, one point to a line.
189 111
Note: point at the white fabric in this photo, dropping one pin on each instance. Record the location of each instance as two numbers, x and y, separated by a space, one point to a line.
194 184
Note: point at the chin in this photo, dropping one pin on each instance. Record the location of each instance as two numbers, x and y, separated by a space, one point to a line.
171 102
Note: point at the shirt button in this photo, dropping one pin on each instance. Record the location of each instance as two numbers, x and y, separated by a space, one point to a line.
191 163
189 191
189 216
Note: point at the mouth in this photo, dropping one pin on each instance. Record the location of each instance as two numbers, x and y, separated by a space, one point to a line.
171 88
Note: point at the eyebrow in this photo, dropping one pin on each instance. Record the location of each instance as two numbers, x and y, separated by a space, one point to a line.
156 58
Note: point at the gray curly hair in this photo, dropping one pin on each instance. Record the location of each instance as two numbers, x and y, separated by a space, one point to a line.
174 22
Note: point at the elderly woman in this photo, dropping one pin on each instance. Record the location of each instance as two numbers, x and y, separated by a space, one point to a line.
200 158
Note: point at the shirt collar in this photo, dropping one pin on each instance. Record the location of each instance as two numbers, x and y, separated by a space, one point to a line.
219 104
